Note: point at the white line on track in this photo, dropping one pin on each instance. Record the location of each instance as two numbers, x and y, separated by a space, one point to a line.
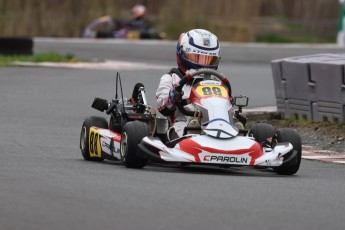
106 65
325 157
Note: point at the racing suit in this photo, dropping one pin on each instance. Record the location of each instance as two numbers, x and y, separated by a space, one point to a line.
165 107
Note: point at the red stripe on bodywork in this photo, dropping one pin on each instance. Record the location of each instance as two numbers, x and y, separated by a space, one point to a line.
193 148
116 138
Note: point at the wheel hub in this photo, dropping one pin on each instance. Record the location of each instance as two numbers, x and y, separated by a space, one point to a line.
123 145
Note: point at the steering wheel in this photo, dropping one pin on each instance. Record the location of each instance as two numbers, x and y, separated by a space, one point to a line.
189 77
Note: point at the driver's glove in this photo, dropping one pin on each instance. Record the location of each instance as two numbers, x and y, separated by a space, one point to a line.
175 97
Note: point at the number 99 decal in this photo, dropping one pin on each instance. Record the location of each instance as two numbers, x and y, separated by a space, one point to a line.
211 90
94 145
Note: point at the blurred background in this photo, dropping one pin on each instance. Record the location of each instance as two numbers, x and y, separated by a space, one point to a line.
284 21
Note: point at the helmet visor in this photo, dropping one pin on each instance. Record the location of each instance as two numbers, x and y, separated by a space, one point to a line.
202 59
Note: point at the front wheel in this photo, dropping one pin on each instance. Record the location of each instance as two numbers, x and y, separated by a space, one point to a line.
133 133
98 122
292 159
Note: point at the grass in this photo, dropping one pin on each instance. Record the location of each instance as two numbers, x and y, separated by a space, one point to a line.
276 38
303 123
6 60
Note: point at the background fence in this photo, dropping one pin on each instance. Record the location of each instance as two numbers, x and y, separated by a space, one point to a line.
231 20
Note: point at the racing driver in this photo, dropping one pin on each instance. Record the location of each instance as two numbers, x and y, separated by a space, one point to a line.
197 48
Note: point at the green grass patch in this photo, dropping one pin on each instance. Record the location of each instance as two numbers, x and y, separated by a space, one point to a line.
303 122
277 38
6 60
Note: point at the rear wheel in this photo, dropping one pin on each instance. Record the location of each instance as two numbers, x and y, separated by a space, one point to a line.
133 133
261 132
99 122
292 160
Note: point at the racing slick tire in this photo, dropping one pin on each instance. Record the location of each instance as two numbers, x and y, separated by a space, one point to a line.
292 160
16 46
261 132
133 133
99 122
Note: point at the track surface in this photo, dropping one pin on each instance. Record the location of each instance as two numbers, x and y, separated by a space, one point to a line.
45 184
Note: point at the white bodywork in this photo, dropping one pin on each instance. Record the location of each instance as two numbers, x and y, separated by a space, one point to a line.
227 151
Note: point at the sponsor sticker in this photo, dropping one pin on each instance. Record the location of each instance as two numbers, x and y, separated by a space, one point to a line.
94 144
207 42
211 90
227 159
235 159
110 147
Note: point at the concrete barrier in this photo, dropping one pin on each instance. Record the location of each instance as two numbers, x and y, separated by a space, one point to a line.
310 87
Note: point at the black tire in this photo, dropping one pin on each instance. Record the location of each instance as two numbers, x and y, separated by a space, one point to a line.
99 122
261 132
133 133
16 46
291 165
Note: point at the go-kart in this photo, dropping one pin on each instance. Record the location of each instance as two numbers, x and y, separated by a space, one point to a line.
107 27
136 135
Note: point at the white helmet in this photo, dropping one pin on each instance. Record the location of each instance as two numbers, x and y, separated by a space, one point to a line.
138 11
197 48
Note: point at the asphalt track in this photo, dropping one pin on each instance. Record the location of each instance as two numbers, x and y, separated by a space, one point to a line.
45 184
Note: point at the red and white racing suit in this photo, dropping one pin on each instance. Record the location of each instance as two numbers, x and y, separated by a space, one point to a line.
167 82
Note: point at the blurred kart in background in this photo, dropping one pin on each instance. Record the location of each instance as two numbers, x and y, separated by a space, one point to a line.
136 28
107 27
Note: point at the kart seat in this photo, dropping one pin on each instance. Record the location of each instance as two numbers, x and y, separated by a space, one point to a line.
193 127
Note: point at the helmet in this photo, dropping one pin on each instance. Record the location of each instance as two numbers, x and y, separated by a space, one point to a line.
138 11
197 48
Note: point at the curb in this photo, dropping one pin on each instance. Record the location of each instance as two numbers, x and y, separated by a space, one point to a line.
314 153
308 152
262 113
